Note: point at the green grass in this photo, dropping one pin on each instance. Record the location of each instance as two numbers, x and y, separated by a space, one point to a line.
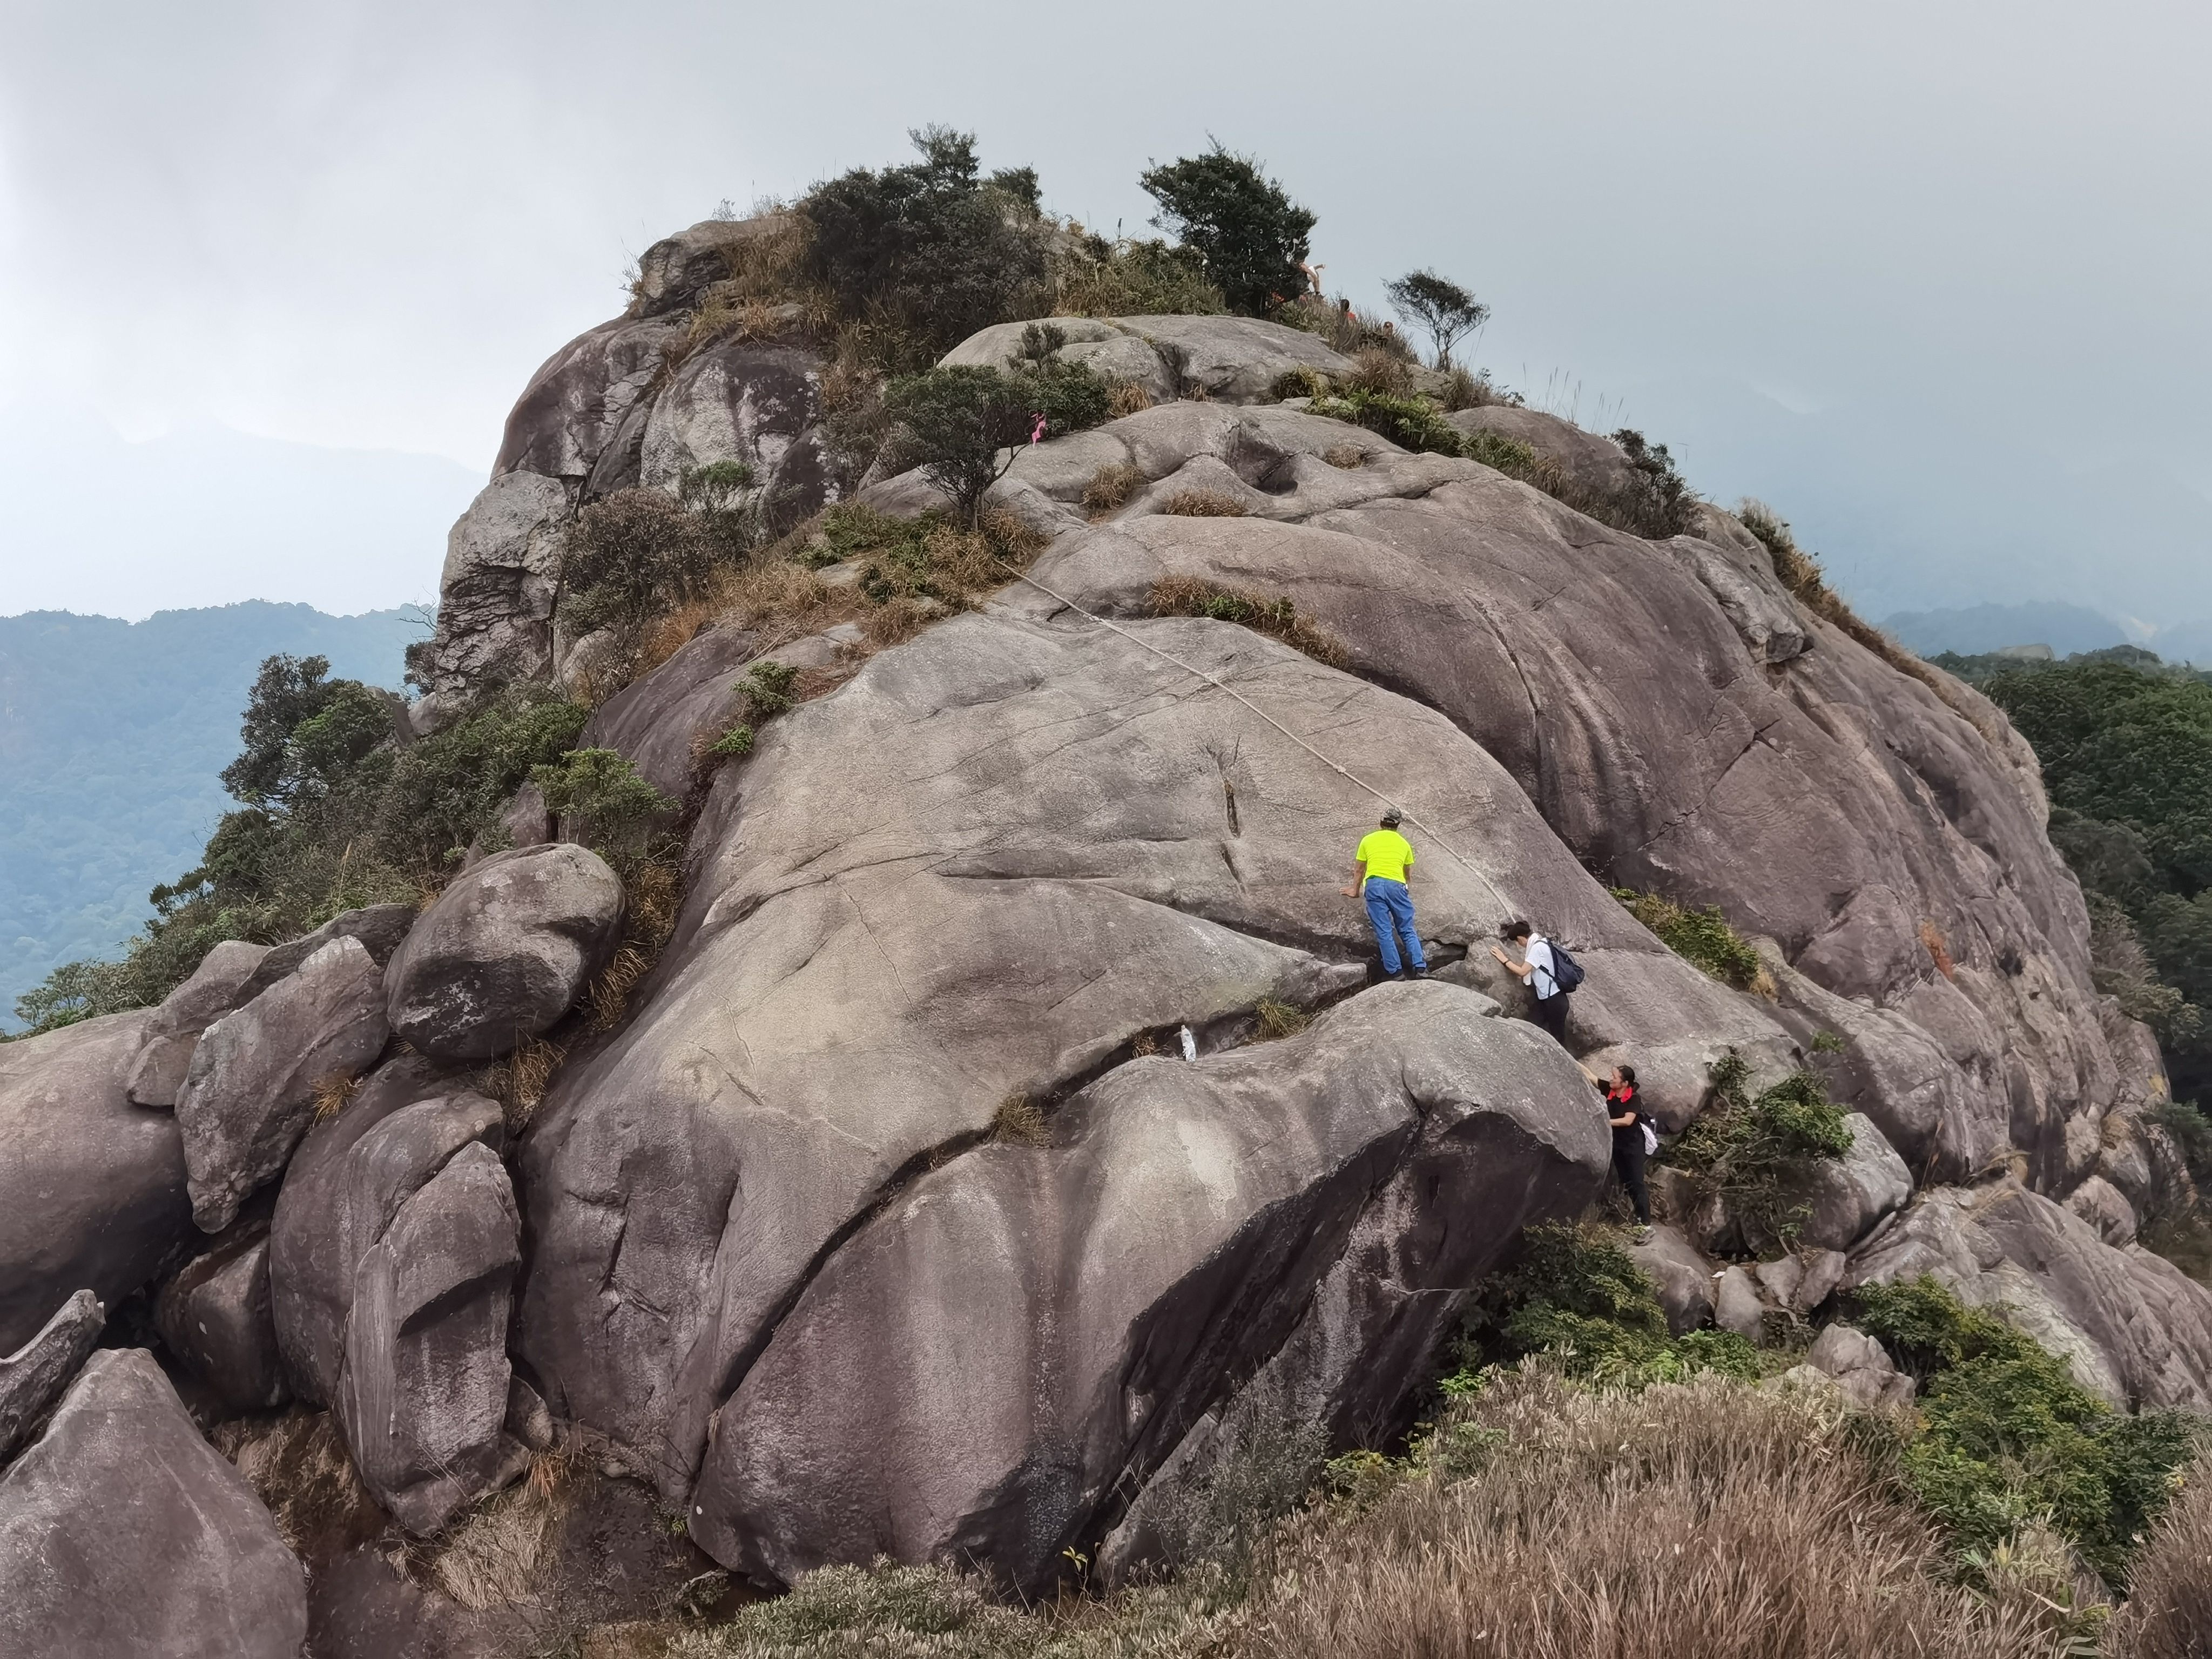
1701 936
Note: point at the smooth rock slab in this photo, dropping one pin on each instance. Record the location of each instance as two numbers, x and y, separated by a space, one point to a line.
423 1394
125 1535
1850 1193
505 951
250 1094
33 1377
1029 1330
92 1188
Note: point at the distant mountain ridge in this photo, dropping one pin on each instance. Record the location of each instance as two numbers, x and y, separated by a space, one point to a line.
1976 630
111 734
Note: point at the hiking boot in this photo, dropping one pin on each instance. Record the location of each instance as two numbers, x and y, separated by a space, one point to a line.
1417 973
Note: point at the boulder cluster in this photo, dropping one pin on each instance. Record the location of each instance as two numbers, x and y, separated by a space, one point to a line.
893 1219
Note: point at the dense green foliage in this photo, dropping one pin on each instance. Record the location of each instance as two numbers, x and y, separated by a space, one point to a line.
632 556
2011 1437
927 253
1250 235
1755 1154
2126 747
112 736
1412 423
601 800
1700 936
1130 277
1574 1294
1659 502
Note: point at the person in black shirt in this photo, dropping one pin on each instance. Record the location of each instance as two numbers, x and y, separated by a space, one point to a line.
1623 1110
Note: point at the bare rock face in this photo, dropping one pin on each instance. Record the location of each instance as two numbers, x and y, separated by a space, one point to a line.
2136 1330
123 1533
1849 1195
655 720
346 1184
250 1094
1860 1367
214 1316
378 928
576 407
496 593
995 862
423 1395
33 1377
216 987
505 951
1224 360
1682 1277
92 1188
743 400
2100 1204
1029 1330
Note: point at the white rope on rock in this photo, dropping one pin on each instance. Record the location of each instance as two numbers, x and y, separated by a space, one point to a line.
1218 684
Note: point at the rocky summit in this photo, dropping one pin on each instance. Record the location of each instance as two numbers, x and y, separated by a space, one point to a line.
970 1095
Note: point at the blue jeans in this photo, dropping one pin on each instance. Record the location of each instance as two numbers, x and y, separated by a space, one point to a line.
1390 912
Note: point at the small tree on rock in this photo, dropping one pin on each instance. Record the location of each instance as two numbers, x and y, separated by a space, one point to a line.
1252 236
963 426
1447 311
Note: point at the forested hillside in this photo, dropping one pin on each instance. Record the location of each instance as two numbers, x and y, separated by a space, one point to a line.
111 737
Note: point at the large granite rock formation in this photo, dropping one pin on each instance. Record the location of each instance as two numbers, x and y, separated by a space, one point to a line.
33 1377
123 1535
92 1188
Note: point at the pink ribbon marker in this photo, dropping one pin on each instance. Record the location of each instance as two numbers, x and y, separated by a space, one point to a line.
1037 434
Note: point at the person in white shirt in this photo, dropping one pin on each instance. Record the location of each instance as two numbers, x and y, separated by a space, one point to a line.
1537 968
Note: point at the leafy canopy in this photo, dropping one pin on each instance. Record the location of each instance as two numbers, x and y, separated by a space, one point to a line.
1441 307
1251 235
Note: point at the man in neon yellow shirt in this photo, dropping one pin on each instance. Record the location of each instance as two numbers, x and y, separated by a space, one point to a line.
1384 878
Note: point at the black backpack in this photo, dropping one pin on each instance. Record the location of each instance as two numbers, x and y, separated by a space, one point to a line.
1567 972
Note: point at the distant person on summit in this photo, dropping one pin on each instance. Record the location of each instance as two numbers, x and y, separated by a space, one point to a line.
1384 878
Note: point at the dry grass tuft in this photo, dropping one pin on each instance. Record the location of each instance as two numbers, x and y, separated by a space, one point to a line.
1703 1518
1279 618
298 1466
609 996
1144 1043
1111 486
490 1558
331 1095
1020 1121
1373 369
1345 456
1203 504
1126 397
1280 1019
519 1082
1938 949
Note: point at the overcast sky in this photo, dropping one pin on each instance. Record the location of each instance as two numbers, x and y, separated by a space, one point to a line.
1931 278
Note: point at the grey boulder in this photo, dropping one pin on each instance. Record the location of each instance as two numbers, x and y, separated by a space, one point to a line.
92 1188
497 591
33 1377
1226 360
2103 1206
214 1316
251 1092
1860 1367
746 401
579 403
345 1186
378 928
123 1535
505 951
424 1393
1029 1330
1849 1195
1682 1277
217 985
1737 1306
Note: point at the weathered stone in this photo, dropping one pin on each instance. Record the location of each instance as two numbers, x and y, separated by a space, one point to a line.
746 401
217 985
251 1093
214 1316
1736 1304
1824 1272
123 1535
657 721
1849 1195
505 951
497 591
991 863
2135 1328
378 929
1029 1329
2100 1204
676 270
1684 1278
92 1188
1860 1367
1224 360
346 1183
1595 464
33 1377
576 403
423 1394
